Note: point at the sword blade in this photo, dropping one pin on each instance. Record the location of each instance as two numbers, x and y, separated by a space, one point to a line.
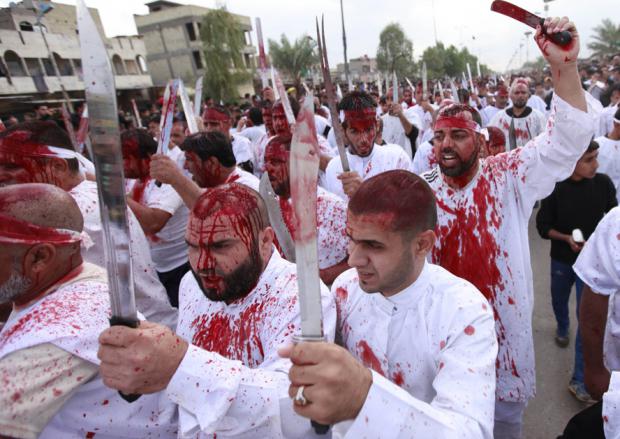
106 149
187 109
424 82
304 175
515 12
167 113
331 98
288 111
198 97
275 218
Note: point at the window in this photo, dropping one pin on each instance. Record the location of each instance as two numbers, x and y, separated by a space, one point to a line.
141 64
132 67
34 67
77 65
49 68
117 62
197 59
14 63
64 66
26 26
190 31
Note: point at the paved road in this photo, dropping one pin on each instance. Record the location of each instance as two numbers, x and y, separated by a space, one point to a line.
547 414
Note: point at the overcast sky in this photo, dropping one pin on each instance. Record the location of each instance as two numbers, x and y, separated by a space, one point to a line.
464 23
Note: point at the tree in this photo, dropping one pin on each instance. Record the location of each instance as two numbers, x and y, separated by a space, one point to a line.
395 52
223 43
295 59
606 39
441 61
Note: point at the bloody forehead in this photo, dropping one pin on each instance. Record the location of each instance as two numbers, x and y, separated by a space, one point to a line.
278 111
360 119
212 115
130 147
277 149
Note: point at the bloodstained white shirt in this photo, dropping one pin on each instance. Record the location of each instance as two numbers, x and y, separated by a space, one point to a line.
424 159
382 158
240 176
611 408
432 348
331 219
232 382
242 148
71 317
483 233
526 127
151 297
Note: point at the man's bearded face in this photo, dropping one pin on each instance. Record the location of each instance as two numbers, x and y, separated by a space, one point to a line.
519 95
456 150
277 167
280 124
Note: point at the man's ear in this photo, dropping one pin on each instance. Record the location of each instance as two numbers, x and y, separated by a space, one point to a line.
58 165
425 242
265 241
38 259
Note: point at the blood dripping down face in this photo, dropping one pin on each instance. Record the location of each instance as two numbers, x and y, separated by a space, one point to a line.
223 238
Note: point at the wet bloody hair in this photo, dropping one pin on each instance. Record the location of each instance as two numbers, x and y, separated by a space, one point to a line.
404 200
359 110
281 139
213 114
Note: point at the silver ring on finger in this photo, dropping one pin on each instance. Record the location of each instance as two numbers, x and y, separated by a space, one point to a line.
300 399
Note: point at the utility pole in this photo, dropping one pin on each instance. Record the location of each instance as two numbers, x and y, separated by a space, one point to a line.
434 22
344 45
43 9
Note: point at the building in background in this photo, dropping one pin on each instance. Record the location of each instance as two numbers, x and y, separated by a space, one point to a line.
362 69
171 34
27 75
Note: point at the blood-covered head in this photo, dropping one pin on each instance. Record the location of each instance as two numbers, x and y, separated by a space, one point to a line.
40 226
26 156
206 156
390 223
497 141
138 146
229 241
266 110
359 123
519 92
217 118
457 140
278 116
277 160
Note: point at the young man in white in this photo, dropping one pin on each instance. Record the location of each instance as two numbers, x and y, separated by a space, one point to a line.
237 306
401 125
159 210
484 208
27 157
599 267
218 119
210 161
365 157
330 215
420 346
51 387
609 153
520 122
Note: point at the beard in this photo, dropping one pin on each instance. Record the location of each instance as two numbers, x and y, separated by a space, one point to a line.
239 282
519 104
15 286
461 168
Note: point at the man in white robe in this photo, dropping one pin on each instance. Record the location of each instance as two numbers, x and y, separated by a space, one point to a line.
420 342
237 306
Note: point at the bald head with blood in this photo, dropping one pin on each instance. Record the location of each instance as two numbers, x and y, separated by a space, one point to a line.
519 92
230 241
390 222
40 228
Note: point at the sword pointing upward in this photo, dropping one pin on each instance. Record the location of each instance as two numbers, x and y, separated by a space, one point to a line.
106 148
304 174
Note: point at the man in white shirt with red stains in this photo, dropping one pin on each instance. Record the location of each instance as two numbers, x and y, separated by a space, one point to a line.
237 306
419 343
366 158
484 207
51 387
331 211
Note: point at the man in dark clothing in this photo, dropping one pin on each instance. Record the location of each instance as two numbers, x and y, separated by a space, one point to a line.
578 202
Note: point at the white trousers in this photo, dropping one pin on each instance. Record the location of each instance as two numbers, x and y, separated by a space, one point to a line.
508 419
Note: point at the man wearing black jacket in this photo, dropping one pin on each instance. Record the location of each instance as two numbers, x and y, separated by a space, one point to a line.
578 202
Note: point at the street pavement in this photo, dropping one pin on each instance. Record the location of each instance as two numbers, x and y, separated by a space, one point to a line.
547 414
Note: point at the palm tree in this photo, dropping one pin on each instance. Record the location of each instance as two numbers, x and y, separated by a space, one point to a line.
606 39
293 59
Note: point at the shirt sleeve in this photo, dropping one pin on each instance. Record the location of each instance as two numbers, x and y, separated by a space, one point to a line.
598 264
464 403
42 379
164 198
551 157
545 218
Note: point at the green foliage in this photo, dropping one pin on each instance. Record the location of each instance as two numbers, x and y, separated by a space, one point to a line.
293 59
395 51
538 64
223 43
606 39
441 61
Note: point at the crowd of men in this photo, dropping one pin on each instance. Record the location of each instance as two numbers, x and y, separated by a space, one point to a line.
423 251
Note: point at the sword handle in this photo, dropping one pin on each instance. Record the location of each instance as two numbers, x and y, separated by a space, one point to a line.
130 323
561 38
320 429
